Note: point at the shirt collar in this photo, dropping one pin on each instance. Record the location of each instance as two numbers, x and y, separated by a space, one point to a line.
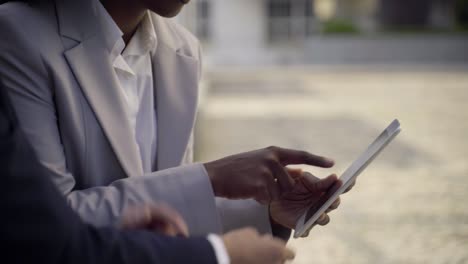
143 41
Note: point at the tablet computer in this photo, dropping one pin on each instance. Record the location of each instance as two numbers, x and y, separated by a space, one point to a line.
311 215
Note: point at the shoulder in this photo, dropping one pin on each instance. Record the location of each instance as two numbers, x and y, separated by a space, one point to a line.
20 23
27 17
176 37
14 8
27 35
11 16
17 47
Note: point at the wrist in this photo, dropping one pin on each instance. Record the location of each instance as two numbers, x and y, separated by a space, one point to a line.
272 220
211 171
277 229
220 249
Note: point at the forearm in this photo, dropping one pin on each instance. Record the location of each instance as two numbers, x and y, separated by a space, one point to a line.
108 245
237 214
186 189
280 231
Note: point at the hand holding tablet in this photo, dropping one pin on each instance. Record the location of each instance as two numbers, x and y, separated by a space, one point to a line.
310 216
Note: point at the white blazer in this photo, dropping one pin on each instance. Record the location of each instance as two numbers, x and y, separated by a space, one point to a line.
56 67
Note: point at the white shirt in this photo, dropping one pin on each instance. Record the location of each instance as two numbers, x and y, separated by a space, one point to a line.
133 68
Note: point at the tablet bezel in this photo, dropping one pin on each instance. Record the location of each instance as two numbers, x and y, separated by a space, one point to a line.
372 151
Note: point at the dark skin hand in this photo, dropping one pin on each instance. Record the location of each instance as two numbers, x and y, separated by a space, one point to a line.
158 217
259 174
308 191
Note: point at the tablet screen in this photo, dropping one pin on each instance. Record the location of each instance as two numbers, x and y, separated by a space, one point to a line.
347 178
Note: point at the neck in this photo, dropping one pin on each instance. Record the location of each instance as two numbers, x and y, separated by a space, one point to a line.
127 14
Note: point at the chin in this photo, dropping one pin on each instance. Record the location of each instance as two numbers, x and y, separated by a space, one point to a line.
169 10
171 13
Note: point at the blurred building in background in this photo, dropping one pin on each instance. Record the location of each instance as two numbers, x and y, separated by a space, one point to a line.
253 32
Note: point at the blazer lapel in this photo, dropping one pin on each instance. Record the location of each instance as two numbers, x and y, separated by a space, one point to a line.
92 68
90 62
176 80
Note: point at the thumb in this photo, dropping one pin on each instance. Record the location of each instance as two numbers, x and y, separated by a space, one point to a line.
322 185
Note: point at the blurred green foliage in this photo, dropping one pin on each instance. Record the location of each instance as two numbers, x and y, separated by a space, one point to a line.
339 26
461 13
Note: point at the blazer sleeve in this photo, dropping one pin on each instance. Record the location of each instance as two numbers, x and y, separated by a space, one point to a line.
40 227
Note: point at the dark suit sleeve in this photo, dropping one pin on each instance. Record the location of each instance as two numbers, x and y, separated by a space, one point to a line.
37 226
280 231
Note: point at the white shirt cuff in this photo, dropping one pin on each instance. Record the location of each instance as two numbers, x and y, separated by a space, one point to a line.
219 248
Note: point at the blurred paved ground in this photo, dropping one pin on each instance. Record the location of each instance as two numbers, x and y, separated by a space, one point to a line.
410 205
